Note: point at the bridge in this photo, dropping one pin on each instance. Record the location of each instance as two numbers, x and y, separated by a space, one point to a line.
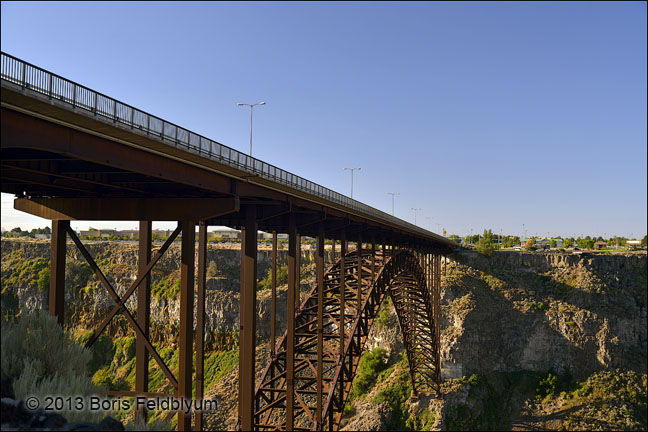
71 153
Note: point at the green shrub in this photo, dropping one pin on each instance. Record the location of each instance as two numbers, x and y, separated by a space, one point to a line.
383 318
371 364
282 278
167 287
43 360
547 386
44 279
485 244
212 270
424 421
396 397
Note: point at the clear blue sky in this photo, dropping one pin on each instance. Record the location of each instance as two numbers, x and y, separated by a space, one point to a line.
485 115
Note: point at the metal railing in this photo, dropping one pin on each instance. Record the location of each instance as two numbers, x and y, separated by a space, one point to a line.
38 80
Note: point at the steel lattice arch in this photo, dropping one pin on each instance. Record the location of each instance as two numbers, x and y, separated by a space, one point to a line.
354 288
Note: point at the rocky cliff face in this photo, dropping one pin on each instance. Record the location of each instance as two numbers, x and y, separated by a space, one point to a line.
540 312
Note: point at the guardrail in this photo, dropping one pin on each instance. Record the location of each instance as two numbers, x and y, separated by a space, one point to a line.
39 80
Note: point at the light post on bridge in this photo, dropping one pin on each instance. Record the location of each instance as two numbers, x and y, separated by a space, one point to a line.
415 210
352 169
393 194
251 109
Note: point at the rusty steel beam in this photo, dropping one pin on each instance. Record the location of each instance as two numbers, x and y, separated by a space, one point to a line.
143 310
200 320
159 209
23 131
247 346
185 345
57 269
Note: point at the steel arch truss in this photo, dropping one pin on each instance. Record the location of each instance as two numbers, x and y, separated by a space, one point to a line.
353 292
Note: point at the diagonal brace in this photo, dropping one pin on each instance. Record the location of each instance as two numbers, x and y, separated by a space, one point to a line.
122 306
118 307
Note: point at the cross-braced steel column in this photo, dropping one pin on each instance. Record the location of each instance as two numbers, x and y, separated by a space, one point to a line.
57 269
185 358
247 348
200 319
143 310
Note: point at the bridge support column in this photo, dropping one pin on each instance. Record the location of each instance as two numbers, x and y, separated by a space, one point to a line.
200 319
185 358
343 250
247 346
437 322
57 269
273 305
358 340
273 309
320 323
143 311
298 266
293 282
373 258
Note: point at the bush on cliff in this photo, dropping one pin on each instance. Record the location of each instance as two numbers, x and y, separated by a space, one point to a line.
371 364
43 361
282 278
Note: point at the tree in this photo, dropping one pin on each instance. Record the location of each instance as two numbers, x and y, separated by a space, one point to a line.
643 241
485 244
553 243
212 270
568 242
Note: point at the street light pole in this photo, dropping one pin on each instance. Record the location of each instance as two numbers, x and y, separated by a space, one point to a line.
251 109
352 169
393 194
415 210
